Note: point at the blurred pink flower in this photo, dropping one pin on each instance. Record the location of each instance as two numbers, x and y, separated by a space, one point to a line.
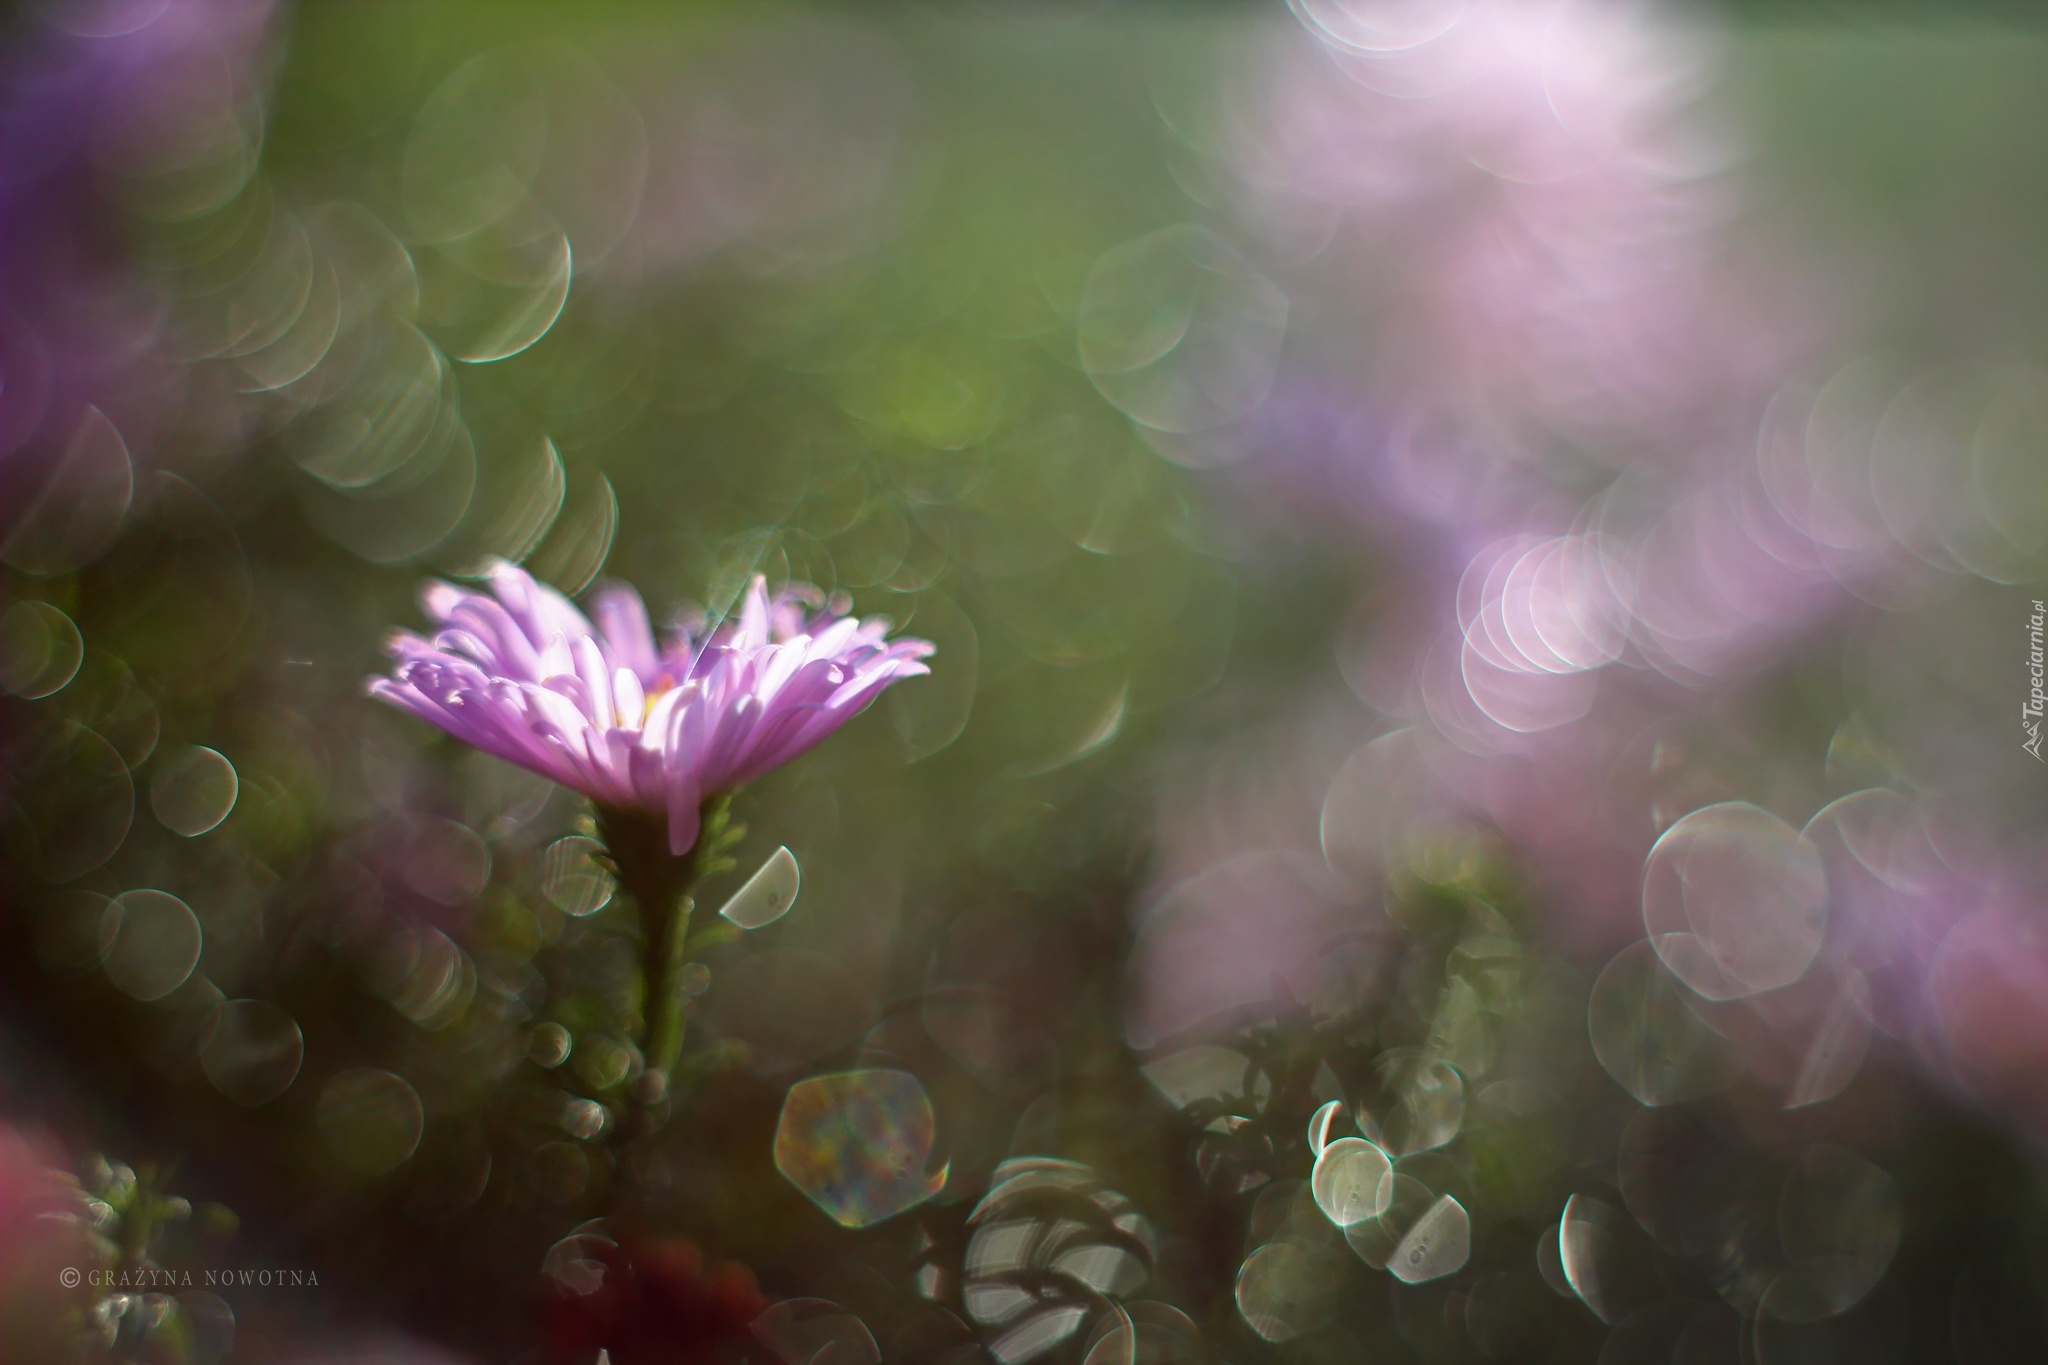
1527 360
41 1234
632 724
122 106
1545 174
1560 409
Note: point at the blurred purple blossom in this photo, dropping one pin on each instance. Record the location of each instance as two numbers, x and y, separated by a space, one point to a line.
1547 422
1567 421
42 1231
1566 379
147 107
1551 183
631 722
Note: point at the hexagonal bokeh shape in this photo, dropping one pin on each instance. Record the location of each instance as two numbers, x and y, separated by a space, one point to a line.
859 1144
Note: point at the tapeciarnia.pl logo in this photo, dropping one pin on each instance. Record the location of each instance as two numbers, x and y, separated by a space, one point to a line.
2037 697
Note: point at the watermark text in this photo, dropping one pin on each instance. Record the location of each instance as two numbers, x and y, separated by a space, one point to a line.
153 1278
2037 694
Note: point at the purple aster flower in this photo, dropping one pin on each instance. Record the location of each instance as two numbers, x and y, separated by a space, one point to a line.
634 723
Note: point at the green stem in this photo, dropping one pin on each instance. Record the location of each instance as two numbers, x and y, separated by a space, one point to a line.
659 883
666 960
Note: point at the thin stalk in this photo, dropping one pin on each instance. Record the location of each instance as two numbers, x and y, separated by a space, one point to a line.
666 959
659 883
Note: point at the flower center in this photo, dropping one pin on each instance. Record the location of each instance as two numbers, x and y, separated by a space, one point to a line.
662 687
